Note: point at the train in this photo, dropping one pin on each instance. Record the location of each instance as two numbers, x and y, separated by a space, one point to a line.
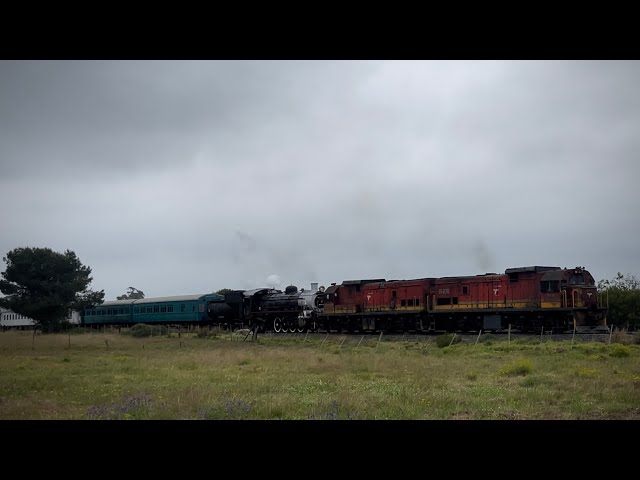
531 298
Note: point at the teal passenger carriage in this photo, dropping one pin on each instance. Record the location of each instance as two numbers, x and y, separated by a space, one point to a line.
182 309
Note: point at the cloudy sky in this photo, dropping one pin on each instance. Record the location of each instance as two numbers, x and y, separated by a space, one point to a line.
187 177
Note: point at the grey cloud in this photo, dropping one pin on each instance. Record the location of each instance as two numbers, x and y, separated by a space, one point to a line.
179 177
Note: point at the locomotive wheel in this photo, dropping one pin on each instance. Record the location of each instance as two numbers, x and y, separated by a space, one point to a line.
277 325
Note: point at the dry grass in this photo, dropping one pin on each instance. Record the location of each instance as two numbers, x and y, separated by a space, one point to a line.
112 376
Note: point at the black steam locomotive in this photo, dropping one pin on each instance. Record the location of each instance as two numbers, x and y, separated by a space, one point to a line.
268 309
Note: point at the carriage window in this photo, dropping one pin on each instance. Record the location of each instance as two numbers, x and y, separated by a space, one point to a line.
170 308
465 290
403 303
417 302
163 309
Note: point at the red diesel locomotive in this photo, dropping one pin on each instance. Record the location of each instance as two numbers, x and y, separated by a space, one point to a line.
527 298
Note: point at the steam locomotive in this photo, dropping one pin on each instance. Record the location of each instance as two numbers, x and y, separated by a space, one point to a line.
269 309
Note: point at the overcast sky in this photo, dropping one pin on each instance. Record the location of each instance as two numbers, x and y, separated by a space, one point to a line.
187 177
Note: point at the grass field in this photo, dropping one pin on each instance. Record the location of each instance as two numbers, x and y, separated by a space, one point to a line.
116 376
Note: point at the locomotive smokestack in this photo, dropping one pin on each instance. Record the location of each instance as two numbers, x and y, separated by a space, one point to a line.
314 287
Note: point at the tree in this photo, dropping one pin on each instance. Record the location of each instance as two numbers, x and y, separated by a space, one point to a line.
131 294
45 285
623 293
224 291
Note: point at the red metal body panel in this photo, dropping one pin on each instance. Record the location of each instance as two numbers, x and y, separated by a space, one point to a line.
399 295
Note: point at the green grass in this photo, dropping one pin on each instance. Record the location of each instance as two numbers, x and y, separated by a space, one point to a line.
112 376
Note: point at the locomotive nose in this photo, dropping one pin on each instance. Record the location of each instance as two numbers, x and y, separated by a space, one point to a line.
590 297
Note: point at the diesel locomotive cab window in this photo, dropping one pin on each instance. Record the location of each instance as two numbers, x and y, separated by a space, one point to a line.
551 286
576 279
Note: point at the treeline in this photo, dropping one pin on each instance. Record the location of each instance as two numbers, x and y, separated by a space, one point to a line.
623 293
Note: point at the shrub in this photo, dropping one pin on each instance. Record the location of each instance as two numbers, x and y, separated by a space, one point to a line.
144 330
521 367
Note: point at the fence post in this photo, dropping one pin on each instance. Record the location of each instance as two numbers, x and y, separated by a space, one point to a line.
452 339
360 341
541 332
325 339
509 333
610 333
379 338
479 333
345 337
574 334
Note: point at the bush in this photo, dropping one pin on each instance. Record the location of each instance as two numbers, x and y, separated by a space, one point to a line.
144 330
622 337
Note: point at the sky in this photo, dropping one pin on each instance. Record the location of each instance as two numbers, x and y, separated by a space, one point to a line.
185 177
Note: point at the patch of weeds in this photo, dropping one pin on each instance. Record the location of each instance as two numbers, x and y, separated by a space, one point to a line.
531 381
228 409
446 340
472 376
487 338
584 372
619 351
598 356
521 367
114 410
65 359
332 413
244 361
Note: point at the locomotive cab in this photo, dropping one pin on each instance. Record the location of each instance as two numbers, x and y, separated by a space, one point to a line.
579 293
